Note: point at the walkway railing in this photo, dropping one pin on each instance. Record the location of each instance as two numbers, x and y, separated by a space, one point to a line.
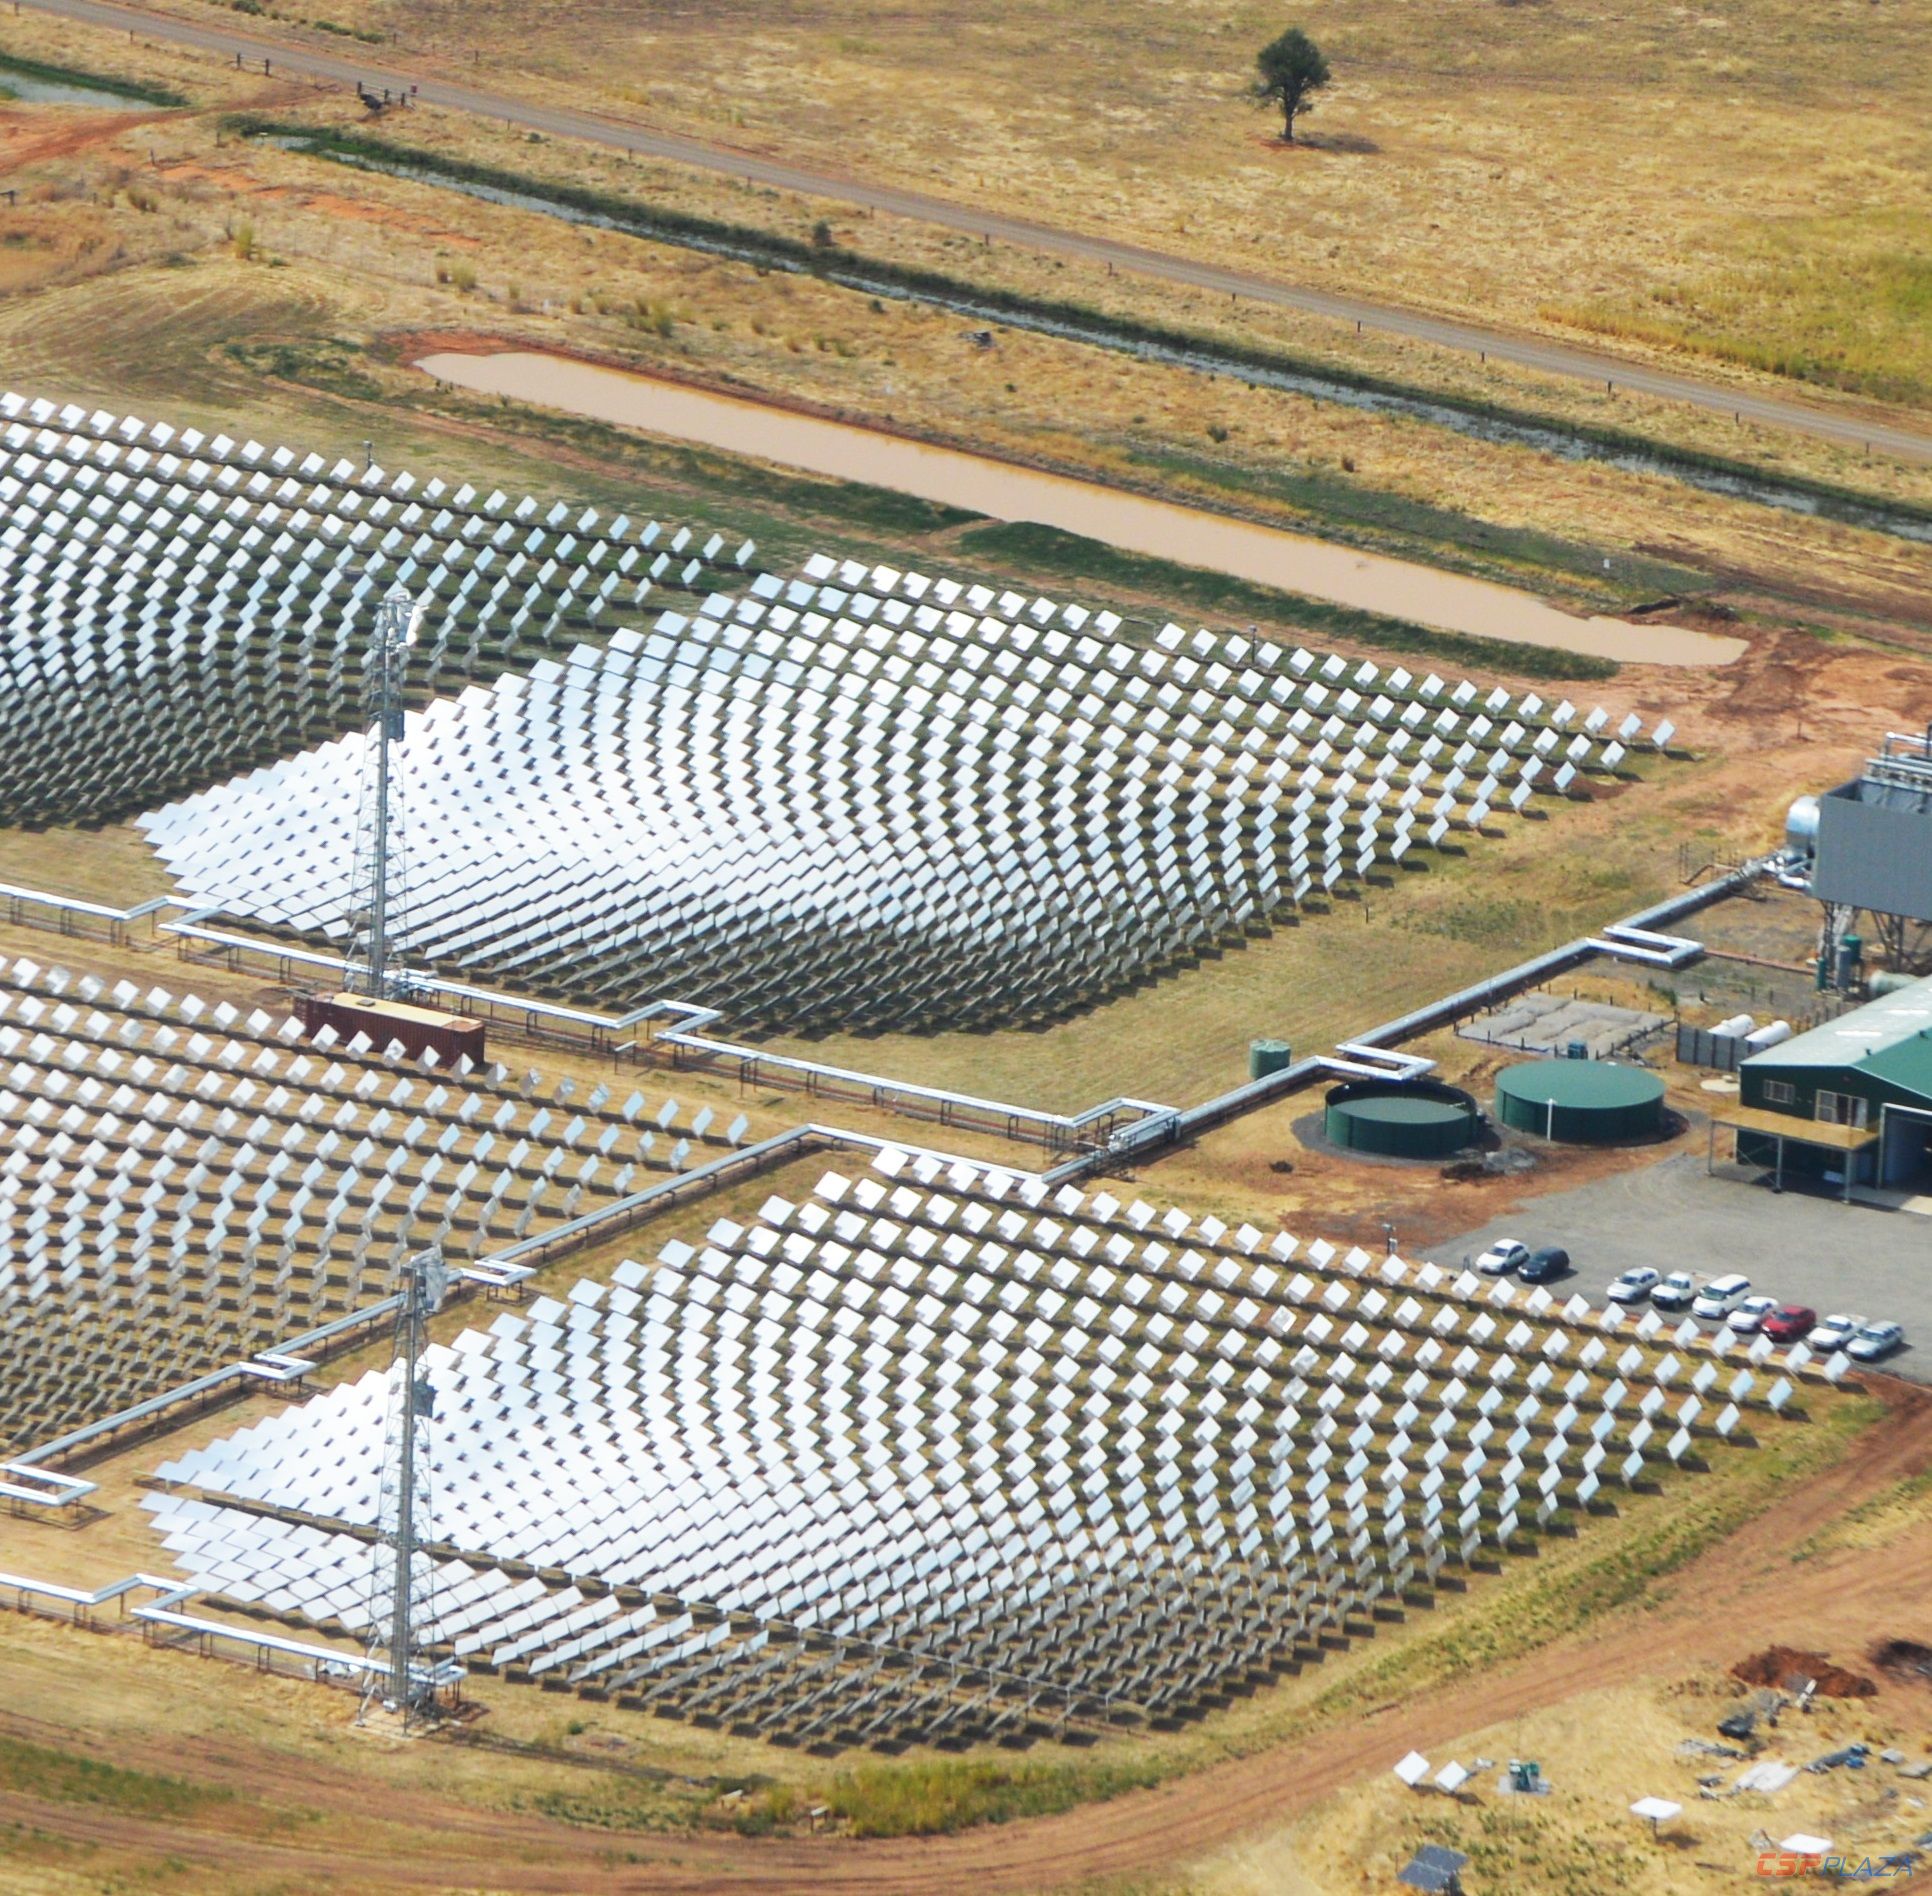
67 915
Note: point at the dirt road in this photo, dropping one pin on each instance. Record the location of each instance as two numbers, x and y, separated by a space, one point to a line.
1743 1594
1846 425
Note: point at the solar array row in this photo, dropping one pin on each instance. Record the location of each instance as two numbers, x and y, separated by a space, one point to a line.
185 1185
174 607
865 798
1010 1450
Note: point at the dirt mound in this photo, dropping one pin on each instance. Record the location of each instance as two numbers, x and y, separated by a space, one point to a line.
1904 1659
1776 1664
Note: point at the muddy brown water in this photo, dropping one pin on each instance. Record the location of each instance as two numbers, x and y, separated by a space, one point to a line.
1402 589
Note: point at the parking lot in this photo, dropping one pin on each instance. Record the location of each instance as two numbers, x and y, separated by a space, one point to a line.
1793 1246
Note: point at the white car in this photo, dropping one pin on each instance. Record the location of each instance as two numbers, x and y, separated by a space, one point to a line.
1675 1292
1502 1257
1833 1334
1875 1340
1748 1318
1634 1286
1721 1296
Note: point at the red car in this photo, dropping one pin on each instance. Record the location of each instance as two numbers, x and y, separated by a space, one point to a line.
1789 1322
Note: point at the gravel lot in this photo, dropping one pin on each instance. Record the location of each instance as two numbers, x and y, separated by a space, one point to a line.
1800 1248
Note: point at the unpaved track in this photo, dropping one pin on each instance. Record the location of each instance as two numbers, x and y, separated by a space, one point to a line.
1743 1594
1847 426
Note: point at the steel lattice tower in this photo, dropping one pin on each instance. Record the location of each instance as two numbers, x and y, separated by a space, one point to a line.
401 1586
379 875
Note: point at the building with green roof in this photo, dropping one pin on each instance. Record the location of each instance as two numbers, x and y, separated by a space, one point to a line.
1849 1103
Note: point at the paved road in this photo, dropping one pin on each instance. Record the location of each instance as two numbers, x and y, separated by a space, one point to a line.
1908 443
1806 1248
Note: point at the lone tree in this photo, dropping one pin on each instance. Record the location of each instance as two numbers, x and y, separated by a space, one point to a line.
1287 71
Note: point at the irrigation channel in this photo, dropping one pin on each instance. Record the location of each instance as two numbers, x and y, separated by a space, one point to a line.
34 88
1369 582
1734 480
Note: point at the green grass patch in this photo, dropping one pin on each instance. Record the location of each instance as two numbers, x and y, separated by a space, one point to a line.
330 363
364 34
1052 553
138 90
1844 302
618 1804
64 1777
938 1796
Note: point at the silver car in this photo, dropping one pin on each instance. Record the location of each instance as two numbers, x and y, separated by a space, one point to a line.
1875 1340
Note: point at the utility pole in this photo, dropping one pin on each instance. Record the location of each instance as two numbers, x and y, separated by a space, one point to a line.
379 862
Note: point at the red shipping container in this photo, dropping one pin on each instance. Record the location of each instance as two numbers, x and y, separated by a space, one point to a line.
449 1036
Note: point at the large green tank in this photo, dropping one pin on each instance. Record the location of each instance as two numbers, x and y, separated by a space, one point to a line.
1580 1102
1405 1119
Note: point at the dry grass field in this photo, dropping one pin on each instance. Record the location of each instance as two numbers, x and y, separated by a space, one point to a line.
228 262
1666 173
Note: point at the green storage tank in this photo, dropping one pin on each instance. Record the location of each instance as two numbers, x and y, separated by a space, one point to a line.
1412 1119
1268 1056
1580 1102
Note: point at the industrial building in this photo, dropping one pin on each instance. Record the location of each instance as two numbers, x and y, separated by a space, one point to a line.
1866 851
1847 1104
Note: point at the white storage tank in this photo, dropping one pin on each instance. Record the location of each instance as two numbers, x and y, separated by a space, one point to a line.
1768 1035
1801 828
1735 1028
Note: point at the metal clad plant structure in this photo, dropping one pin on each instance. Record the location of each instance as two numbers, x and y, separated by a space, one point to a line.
1410 1119
1867 849
1580 1102
1875 834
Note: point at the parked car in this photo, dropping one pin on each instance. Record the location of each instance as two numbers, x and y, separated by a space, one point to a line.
1721 1296
1541 1266
1675 1292
1502 1257
1875 1340
1635 1285
1748 1318
1789 1322
1834 1333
